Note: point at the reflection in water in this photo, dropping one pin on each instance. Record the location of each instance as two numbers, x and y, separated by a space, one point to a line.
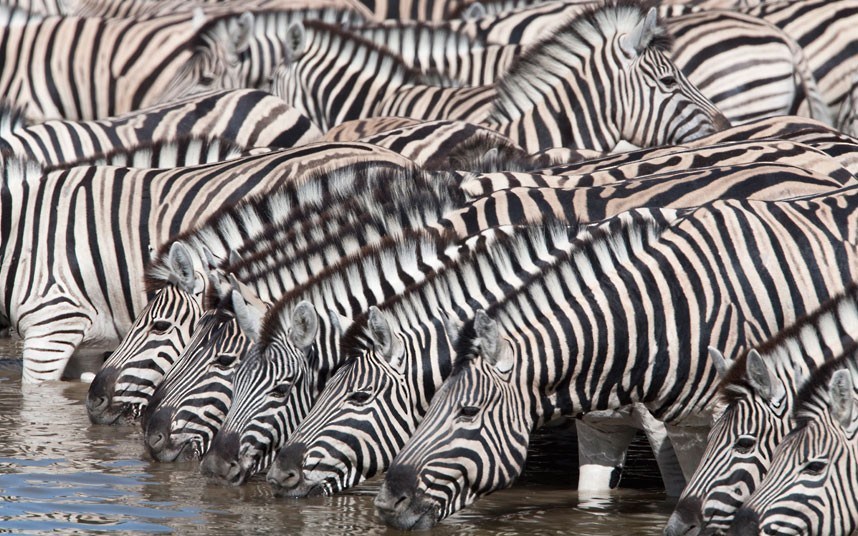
59 473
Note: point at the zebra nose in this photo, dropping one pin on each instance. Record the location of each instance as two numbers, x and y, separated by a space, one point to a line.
686 518
720 121
287 470
397 491
156 441
100 395
746 523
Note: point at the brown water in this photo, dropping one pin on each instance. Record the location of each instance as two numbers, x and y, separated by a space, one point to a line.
59 473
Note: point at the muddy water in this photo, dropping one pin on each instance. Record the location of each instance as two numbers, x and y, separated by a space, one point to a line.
58 473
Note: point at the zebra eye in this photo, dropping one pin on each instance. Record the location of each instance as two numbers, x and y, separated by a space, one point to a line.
207 79
468 412
281 391
360 397
815 467
224 360
745 444
668 80
161 326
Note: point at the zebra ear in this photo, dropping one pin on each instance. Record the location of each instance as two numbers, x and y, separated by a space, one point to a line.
721 363
234 257
249 318
211 261
475 11
339 322
491 345
636 41
296 39
182 268
379 330
762 379
305 324
240 32
840 397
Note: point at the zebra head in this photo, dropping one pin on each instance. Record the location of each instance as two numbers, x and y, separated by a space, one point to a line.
217 49
740 445
472 441
810 486
272 391
368 409
611 67
320 58
188 407
122 387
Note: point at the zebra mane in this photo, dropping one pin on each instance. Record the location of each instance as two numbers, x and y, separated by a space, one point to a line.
812 399
735 383
485 153
250 216
17 169
527 75
355 271
406 195
423 301
145 152
409 74
598 249
12 118
393 218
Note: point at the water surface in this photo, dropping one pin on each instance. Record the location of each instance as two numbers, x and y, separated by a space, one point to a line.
59 473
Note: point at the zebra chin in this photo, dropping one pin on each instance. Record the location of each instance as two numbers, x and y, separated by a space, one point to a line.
401 506
222 463
169 449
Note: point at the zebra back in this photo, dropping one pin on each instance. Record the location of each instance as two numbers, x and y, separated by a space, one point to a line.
257 119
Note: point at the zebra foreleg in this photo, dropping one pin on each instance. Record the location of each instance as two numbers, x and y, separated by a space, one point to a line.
689 442
51 337
603 438
662 448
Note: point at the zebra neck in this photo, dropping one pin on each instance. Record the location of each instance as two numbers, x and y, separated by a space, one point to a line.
543 112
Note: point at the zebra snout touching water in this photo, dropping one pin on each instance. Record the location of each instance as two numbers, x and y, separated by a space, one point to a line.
810 486
759 390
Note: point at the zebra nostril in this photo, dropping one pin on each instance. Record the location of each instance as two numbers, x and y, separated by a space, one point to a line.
97 404
156 441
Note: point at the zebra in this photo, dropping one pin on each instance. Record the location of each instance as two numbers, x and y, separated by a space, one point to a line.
57 301
758 391
259 424
723 264
127 379
515 107
141 63
809 488
397 353
332 76
340 11
751 154
427 47
257 119
822 29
